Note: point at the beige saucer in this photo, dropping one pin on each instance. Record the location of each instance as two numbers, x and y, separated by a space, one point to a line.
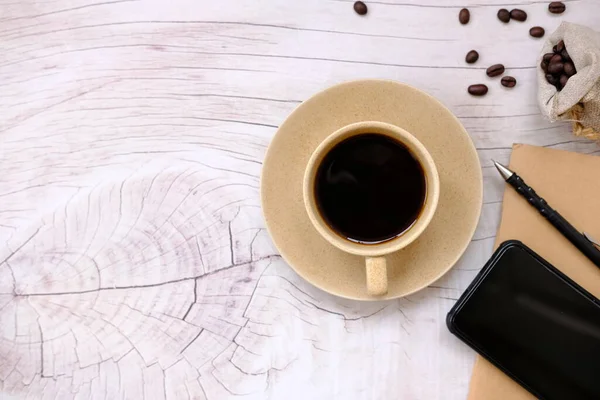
453 224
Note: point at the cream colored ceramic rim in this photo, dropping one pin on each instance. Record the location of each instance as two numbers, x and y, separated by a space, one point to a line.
324 96
418 150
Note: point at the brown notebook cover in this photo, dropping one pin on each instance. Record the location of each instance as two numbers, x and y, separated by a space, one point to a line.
570 183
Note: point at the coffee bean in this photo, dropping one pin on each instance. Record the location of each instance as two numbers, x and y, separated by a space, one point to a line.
504 15
569 69
547 57
544 66
557 7
464 16
563 80
472 57
555 59
556 68
554 81
551 79
537 31
508 81
565 56
518 15
560 46
478 90
495 70
360 8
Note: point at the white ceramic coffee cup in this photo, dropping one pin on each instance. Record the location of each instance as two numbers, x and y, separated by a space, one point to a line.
376 269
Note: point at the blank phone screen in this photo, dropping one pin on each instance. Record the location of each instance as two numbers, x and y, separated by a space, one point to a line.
529 321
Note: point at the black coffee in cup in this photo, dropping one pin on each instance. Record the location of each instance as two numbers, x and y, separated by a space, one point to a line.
370 188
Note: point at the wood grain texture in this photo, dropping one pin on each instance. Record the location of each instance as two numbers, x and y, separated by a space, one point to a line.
134 262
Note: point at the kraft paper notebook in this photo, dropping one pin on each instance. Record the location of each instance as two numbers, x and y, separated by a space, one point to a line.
570 183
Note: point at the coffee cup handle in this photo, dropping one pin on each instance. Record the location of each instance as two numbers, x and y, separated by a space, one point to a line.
377 282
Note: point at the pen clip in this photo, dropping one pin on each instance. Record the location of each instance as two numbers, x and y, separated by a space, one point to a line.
591 240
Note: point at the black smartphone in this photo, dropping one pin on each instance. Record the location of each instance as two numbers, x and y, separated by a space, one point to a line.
534 323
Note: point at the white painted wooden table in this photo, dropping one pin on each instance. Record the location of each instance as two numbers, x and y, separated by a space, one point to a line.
134 262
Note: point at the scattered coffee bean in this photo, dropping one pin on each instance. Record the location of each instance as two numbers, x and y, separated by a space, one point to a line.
556 68
472 57
537 32
504 15
544 66
478 90
360 8
569 69
557 7
547 57
508 81
560 46
555 59
495 70
464 16
563 80
518 15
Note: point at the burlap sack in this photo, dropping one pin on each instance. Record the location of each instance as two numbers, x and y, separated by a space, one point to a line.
579 101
